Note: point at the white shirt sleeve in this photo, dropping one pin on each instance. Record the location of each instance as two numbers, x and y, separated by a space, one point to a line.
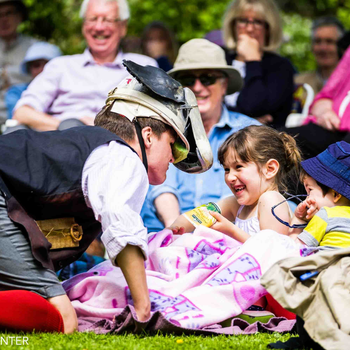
115 185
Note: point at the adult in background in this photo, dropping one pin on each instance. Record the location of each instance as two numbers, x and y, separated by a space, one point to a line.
73 88
33 64
201 66
329 119
325 33
13 47
252 32
158 42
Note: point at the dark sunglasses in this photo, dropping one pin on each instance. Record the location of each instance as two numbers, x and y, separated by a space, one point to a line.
206 79
285 222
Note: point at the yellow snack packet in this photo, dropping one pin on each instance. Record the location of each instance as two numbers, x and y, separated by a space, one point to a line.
200 215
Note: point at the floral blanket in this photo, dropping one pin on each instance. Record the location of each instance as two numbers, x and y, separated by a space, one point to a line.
195 280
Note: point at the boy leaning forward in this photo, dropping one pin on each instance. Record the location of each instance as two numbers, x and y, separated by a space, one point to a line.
60 189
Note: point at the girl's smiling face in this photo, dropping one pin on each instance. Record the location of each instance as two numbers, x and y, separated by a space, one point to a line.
245 179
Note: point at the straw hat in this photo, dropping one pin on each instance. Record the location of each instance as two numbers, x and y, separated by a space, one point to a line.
203 54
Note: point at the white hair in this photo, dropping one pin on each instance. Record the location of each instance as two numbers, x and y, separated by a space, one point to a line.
124 12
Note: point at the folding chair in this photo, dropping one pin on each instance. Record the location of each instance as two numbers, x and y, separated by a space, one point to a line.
302 98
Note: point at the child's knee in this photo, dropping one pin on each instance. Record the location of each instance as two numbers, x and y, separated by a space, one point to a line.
65 308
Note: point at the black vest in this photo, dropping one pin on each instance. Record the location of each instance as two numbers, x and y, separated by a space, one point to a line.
40 176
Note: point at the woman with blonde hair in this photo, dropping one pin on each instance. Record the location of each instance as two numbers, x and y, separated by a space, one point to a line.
252 31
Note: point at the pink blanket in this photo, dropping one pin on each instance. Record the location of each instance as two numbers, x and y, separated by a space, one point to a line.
195 280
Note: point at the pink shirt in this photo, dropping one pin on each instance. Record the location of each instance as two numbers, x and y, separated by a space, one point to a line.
337 89
76 86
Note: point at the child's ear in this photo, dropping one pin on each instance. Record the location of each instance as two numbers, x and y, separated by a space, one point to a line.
271 168
336 196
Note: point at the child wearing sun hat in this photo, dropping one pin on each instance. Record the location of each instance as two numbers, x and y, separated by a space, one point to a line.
326 211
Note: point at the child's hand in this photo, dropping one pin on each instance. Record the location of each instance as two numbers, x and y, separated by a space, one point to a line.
312 208
177 230
306 209
222 224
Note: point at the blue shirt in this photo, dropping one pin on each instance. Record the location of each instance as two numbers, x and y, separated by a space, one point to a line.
193 190
12 95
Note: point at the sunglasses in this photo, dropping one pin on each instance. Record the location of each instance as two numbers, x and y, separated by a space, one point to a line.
206 79
285 222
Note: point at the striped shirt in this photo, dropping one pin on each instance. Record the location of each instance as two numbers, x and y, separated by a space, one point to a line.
329 227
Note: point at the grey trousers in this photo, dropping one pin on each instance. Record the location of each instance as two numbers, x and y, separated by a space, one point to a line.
18 268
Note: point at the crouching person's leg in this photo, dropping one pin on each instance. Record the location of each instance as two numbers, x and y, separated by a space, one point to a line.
23 311
66 310
21 273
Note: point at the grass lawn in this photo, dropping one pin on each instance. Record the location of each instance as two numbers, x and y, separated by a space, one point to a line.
91 341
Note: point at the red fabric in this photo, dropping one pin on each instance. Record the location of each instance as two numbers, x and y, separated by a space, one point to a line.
276 308
27 311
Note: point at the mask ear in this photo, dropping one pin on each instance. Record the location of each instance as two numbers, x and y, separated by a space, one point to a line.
271 168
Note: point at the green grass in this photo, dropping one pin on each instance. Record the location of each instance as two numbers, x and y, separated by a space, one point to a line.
91 341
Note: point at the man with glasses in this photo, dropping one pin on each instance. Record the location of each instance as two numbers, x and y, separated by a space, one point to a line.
13 47
201 66
72 89
326 31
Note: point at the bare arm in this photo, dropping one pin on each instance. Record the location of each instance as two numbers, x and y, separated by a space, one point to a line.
266 219
167 207
131 262
35 119
227 227
181 225
303 213
325 115
320 105
229 208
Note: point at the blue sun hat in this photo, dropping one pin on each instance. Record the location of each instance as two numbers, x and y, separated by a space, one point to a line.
332 168
39 51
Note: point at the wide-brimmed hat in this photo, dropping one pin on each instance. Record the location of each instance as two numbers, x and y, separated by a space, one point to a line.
332 168
39 51
203 54
19 5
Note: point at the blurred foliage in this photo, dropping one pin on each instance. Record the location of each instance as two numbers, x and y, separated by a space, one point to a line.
297 41
58 21
187 18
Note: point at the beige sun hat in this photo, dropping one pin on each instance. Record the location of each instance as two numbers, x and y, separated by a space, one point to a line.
203 54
